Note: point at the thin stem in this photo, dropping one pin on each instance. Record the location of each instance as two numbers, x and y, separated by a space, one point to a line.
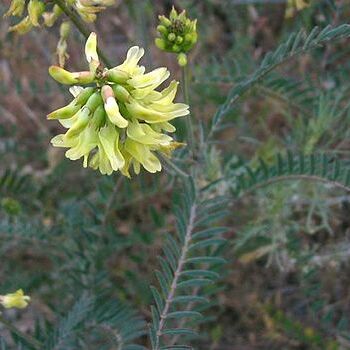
189 307
177 273
30 340
81 27
189 126
111 199
173 166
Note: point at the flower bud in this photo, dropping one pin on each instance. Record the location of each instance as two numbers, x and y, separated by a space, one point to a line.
61 48
162 29
111 107
62 76
176 48
64 112
83 117
179 39
51 17
191 38
64 30
173 14
94 101
98 117
35 10
22 27
83 96
165 21
171 37
72 108
91 52
117 75
160 43
182 59
121 93
16 8
61 51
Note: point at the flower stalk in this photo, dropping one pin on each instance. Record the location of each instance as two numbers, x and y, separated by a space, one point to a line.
189 124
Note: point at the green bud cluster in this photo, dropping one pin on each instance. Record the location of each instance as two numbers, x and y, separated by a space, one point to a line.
178 34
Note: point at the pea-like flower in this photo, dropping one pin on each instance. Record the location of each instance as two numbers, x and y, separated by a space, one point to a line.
117 121
178 34
15 300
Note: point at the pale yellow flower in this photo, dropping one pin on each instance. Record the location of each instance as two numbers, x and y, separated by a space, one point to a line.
15 300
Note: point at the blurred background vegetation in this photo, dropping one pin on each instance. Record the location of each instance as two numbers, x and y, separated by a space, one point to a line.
84 249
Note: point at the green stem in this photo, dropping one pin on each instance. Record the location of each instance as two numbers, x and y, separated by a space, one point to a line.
111 199
30 340
173 166
80 26
189 126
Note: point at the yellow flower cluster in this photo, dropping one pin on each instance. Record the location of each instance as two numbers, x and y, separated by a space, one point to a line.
15 300
118 122
35 10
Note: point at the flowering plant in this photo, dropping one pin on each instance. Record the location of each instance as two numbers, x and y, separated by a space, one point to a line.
121 119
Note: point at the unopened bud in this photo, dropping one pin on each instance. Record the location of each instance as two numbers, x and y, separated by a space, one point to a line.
94 101
64 112
84 95
162 29
160 43
83 117
117 75
98 117
91 52
173 14
62 76
182 59
179 39
16 8
64 30
35 9
23 26
176 48
121 93
171 37
165 21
